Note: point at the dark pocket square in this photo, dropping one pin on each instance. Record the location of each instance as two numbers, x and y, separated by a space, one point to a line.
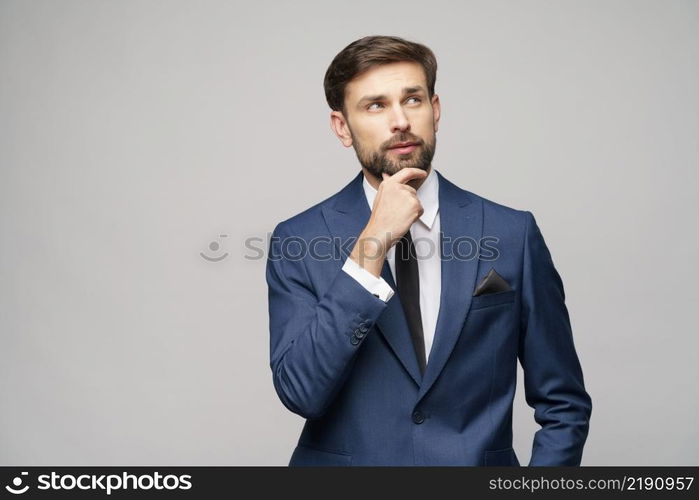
492 283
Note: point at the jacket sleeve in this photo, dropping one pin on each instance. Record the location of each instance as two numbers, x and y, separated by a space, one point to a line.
553 379
313 340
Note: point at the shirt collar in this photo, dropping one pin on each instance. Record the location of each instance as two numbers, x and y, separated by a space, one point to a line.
427 193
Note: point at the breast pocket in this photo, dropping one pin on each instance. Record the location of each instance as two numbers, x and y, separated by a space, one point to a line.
493 299
306 456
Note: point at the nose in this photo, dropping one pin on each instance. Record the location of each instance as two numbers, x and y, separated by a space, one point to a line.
399 120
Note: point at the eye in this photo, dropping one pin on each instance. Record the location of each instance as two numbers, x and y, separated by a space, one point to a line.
379 104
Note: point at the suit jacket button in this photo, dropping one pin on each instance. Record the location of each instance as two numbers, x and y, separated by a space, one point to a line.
359 334
354 340
363 328
418 417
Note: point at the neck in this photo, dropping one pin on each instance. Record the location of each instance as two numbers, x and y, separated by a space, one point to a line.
376 182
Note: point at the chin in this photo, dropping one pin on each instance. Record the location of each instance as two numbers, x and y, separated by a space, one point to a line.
401 167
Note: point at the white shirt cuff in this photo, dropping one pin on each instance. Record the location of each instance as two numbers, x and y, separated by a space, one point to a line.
376 285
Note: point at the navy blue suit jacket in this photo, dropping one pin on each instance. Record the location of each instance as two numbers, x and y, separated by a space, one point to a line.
343 359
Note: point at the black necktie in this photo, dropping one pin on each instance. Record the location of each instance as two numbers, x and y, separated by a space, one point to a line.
408 284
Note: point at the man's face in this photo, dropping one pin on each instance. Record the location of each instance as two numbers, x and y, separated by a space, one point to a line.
384 106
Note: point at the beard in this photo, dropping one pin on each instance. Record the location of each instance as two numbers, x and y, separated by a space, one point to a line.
378 162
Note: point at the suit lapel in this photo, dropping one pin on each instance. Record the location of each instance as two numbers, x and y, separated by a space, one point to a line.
461 220
345 219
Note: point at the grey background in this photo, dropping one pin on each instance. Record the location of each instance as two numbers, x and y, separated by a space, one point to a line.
133 134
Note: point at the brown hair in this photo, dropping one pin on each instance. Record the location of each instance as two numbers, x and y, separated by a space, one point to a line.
371 51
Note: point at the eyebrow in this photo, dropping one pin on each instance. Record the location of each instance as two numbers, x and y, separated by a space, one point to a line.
382 97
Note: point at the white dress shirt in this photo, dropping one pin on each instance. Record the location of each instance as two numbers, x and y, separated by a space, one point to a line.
425 235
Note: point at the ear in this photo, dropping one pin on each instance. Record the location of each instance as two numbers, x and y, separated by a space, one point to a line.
436 111
338 124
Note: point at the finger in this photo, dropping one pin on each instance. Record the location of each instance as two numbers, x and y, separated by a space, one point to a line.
406 174
408 188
